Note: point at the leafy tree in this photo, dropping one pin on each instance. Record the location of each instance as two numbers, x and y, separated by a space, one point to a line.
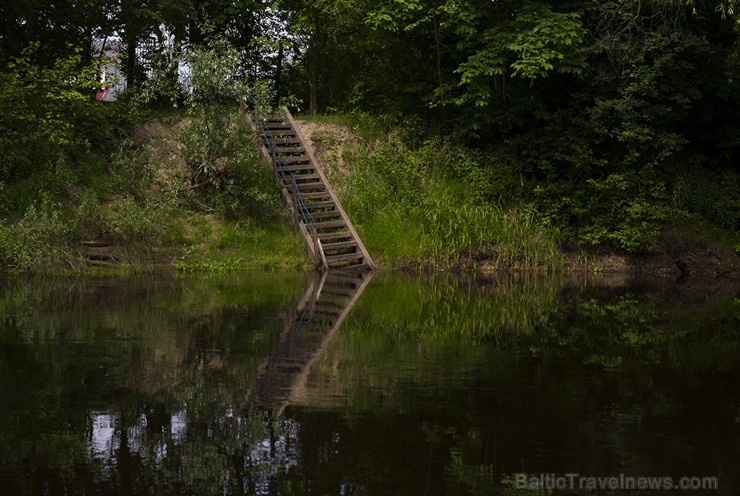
222 163
608 112
51 130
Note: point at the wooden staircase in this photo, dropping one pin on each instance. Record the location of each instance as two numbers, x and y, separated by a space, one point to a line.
321 311
331 238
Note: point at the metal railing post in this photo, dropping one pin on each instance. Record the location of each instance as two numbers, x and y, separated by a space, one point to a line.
316 248
294 193
274 160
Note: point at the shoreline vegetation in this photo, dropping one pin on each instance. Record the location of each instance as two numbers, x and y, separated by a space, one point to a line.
428 208
140 214
423 208
465 136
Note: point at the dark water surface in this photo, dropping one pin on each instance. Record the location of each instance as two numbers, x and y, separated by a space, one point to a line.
394 385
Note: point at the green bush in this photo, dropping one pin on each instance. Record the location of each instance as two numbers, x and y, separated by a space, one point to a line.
249 189
51 127
223 165
624 211
715 195
148 222
38 241
131 171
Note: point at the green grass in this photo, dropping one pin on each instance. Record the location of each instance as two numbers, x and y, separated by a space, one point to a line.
434 206
233 246
440 234
146 220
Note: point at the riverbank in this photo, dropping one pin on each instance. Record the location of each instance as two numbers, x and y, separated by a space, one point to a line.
428 208
155 204
423 208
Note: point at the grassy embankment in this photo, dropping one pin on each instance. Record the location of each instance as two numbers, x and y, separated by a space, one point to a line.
137 210
432 205
426 206
142 209
438 205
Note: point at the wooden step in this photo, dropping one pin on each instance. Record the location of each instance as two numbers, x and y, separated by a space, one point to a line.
314 195
282 152
335 235
326 307
290 149
320 204
325 214
331 302
339 293
305 164
317 331
345 290
330 313
342 279
310 186
313 333
285 141
278 135
288 182
343 257
278 126
295 160
358 267
329 317
339 246
294 168
306 177
329 225
339 296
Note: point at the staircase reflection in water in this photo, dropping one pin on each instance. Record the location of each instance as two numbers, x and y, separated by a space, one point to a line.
329 298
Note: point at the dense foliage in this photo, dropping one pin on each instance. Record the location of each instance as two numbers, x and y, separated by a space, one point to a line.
606 119
609 116
51 133
141 191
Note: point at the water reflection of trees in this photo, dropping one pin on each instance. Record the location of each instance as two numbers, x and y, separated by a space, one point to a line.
141 390
526 375
589 322
233 453
141 386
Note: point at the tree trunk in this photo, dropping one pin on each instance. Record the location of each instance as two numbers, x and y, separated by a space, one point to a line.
314 79
439 58
131 42
279 75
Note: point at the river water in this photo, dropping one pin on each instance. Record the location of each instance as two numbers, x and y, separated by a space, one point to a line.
252 384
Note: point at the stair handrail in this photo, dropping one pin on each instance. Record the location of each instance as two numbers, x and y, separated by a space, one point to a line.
268 138
299 203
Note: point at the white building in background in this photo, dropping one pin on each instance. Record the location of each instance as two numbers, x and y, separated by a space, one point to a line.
107 53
